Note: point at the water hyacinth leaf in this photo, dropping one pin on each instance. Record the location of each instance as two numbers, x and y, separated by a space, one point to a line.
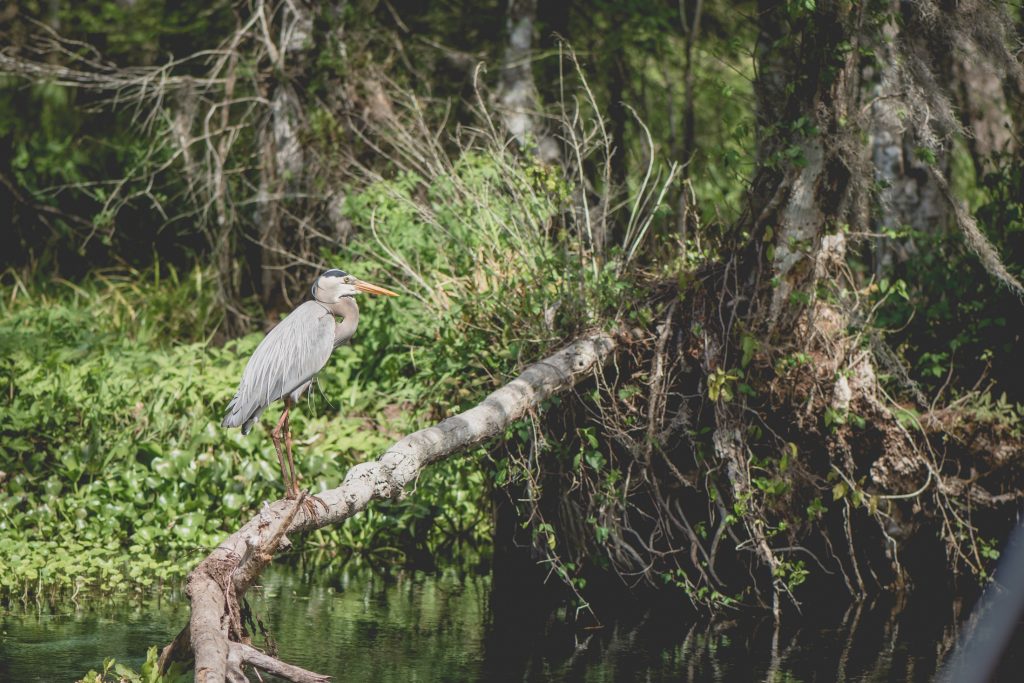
163 467
233 501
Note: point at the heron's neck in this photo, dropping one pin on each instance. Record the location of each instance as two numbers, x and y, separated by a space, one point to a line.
348 309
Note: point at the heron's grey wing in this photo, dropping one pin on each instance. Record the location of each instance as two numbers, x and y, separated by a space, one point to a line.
288 357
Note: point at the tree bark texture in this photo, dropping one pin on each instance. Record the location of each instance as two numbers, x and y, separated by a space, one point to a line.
216 586
909 196
807 150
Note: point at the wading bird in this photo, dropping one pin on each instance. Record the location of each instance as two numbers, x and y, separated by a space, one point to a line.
285 363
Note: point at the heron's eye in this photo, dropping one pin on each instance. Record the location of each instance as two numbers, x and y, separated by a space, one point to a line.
349 280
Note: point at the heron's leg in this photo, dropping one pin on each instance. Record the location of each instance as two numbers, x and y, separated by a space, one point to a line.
291 459
276 436
310 501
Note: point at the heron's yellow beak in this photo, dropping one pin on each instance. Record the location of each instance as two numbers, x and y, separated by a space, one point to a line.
373 289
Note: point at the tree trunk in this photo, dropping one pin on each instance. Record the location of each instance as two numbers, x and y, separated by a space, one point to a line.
685 218
282 158
984 110
691 27
808 92
786 289
909 197
517 92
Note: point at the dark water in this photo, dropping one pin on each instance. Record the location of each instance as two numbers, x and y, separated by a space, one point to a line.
446 627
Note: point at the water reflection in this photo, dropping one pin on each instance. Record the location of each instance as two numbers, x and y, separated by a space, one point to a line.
45 642
447 626
362 627
883 641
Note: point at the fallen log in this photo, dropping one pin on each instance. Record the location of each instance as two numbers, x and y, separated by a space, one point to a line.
214 635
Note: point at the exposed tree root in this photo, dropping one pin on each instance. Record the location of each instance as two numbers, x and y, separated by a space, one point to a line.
749 438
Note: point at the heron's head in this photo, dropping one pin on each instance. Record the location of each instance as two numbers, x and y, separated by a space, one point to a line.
334 284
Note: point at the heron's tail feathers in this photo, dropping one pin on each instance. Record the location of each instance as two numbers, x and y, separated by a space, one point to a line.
232 416
236 416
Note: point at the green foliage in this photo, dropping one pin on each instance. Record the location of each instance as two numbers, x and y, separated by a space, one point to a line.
66 151
720 383
948 316
112 450
480 247
149 672
110 388
792 573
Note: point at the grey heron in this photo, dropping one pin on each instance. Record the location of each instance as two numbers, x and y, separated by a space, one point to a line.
287 360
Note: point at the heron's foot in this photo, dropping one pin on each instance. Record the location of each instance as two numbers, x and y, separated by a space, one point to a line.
310 503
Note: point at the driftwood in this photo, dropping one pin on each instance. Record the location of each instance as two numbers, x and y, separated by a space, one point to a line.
215 587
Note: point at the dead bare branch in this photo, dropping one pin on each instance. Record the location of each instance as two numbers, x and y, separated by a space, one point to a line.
220 580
